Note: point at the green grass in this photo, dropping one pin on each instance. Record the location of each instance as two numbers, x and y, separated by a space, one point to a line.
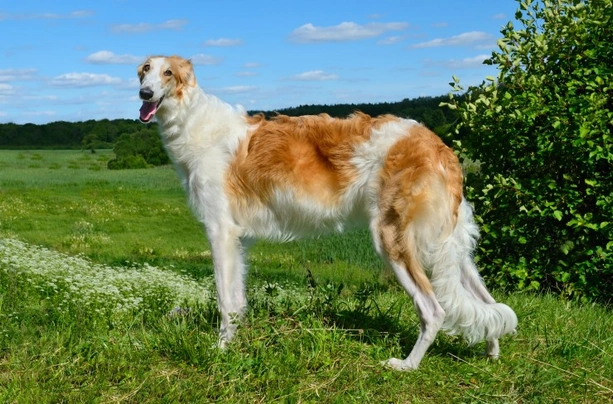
118 306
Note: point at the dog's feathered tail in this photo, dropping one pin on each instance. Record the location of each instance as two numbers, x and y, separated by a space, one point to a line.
458 287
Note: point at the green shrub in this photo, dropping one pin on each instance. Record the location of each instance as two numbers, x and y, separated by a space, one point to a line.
128 162
139 150
542 133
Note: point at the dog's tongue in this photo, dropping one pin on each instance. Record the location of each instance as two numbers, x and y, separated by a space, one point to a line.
147 110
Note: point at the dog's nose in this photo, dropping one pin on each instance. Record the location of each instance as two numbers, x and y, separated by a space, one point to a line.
145 93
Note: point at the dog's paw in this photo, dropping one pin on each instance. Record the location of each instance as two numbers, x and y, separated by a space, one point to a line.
399 364
221 344
492 350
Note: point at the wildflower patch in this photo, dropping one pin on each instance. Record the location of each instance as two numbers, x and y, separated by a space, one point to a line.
75 280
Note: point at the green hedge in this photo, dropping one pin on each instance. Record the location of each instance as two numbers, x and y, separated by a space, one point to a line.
542 133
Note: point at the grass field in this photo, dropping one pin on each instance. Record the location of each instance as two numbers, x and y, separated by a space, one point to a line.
106 295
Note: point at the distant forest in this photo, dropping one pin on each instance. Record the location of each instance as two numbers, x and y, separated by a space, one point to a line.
105 133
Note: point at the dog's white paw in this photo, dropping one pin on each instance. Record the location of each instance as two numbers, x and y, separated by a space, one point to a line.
221 344
399 364
492 350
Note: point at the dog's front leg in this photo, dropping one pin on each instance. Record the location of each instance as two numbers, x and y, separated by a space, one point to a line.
228 261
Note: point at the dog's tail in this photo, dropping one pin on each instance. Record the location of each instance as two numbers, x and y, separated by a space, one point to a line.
458 287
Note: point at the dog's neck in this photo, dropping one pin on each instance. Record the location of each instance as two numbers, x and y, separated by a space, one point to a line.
171 115
199 123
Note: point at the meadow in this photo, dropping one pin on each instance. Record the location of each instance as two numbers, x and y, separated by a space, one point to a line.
107 295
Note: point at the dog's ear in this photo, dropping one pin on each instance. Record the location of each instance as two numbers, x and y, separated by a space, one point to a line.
184 72
191 79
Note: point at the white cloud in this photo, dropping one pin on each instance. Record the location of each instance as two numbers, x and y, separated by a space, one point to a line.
251 65
13 75
49 97
391 40
237 89
314 75
206 60
145 27
107 57
464 39
466 63
39 113
500 16
47 16
6 89
223 42
172 24
131 83
83 80
345 31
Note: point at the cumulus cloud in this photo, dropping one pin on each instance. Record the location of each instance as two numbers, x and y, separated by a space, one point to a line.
464 39
345 31
145 27
391 40
223 42
314 75
468 63
12 75
77 80
6 89
47 16
107 57
237 89
465 63
205 60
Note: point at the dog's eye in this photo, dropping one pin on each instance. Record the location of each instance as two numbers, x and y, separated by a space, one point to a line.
168 73
146 68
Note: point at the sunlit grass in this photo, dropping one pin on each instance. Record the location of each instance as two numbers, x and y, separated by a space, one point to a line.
107 295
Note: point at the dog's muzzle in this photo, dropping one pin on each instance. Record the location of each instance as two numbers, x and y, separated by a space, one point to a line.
149 107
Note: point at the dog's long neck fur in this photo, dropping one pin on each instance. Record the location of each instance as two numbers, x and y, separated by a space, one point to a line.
215 134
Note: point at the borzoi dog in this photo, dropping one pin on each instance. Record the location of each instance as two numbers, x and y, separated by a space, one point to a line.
248 177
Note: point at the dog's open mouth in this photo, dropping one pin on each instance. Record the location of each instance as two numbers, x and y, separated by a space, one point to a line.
148 109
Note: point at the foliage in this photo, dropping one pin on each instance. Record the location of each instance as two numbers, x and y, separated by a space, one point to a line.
92 142
64 135
423 109
139 150
542 133
92 135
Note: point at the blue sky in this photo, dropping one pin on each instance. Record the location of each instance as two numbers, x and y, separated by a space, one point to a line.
76 60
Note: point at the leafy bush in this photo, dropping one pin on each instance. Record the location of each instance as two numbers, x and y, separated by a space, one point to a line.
141 149
542 133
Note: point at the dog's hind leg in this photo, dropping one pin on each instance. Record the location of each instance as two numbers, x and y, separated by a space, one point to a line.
391 245
431 316
228 260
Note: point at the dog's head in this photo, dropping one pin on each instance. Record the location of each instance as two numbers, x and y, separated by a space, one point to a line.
163 78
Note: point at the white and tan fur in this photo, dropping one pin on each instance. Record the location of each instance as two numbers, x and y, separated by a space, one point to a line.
247 177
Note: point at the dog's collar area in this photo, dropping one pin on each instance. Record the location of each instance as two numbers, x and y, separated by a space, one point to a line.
148 109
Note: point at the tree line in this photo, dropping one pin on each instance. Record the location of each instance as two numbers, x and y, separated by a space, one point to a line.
100 134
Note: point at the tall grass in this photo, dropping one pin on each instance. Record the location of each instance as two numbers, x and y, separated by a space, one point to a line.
107 295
